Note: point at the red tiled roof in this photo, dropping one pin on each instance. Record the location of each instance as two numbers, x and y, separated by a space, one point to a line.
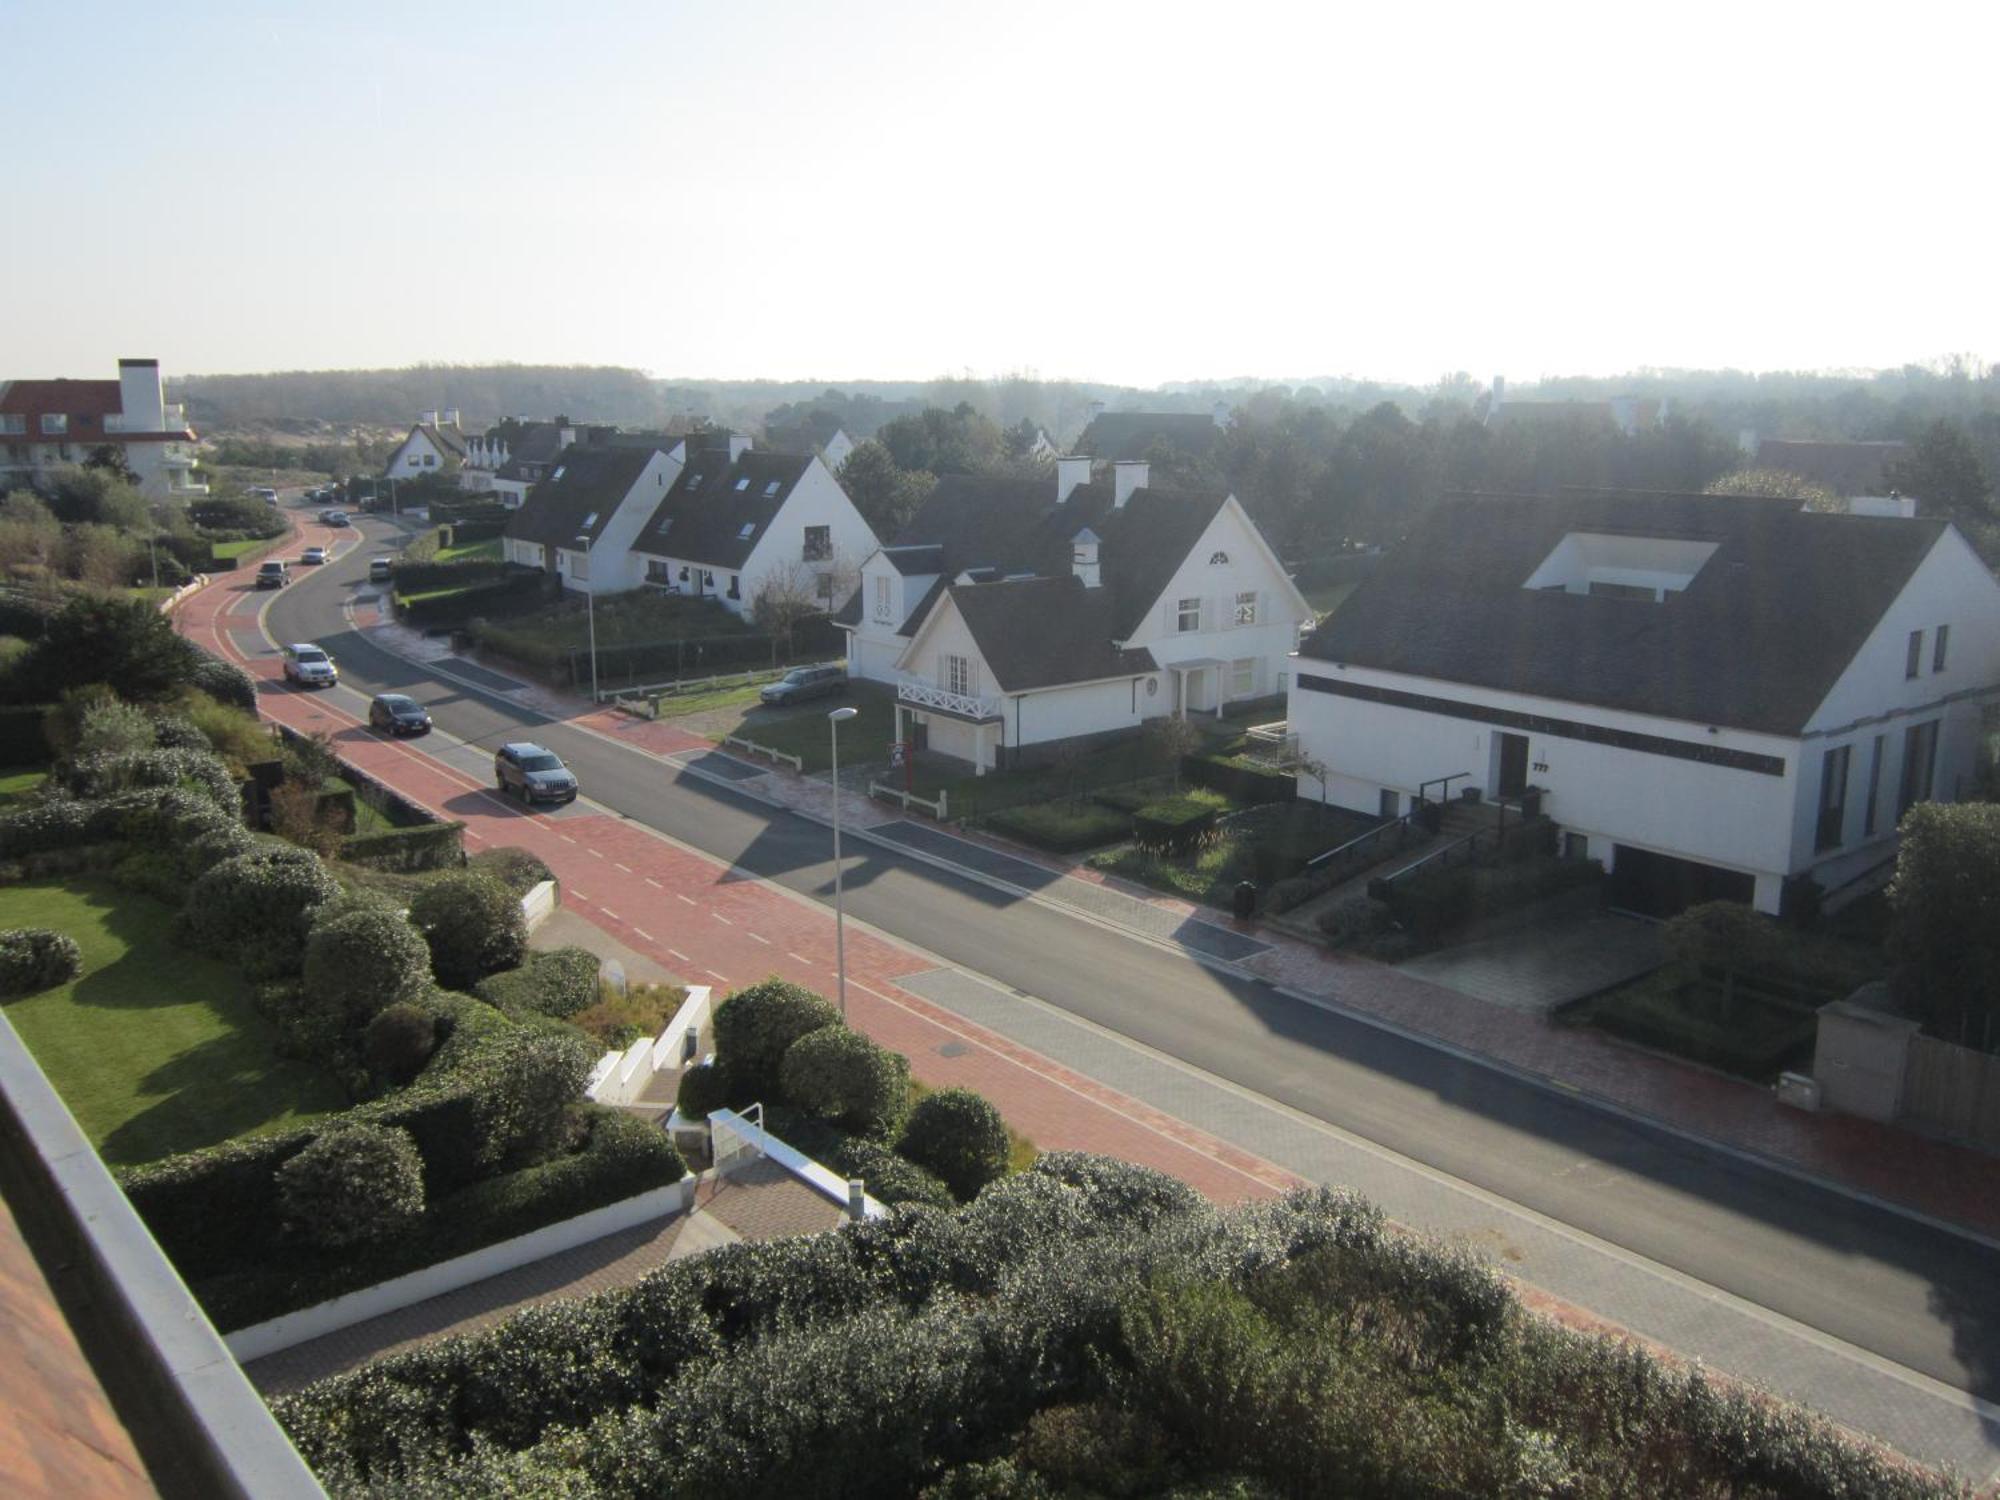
76 398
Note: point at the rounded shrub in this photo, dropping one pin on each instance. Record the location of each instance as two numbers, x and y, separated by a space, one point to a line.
560 983
257 906
959 1136
353 1184
223 681
33 959
527 1083
889 1178
842 1076
178 732
361 962
399 1041
517 869
756 1026
704 1087
203 770
473 925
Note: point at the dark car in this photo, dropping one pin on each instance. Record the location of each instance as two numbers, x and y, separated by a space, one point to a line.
272 575
533 774
393 713
802 683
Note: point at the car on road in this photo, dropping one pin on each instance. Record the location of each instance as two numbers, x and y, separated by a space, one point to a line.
309 666
313 555
335 517
381 569
262 492
397 713
804 683
272 575
532 773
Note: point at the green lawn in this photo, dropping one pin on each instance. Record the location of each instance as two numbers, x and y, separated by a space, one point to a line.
486 551
804 731
233 551
16 783
155 1050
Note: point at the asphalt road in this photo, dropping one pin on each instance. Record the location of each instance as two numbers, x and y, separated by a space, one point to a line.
1921 1297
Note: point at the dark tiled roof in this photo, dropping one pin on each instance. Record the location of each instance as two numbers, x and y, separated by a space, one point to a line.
446 440
1115 435
915 561
74 398
1016 526
587 480
1041 632
1754 642
1844 468
709 512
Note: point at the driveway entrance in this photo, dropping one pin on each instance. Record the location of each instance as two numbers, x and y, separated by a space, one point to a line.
1548 964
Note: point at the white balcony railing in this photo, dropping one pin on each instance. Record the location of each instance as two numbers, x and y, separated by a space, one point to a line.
923 695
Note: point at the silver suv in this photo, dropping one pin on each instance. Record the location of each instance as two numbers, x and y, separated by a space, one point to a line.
309 666
533 774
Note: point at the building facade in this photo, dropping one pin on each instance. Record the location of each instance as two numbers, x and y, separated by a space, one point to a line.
47 425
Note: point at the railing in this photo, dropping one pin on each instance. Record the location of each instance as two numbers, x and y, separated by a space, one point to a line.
923 695
911 799
1442 783
751 747
628 698
1272 744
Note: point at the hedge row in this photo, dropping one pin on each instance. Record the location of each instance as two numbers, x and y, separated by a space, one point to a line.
21 740
512 595
417 577
433 846
1757 1040
1175 827
1249 785
1060 828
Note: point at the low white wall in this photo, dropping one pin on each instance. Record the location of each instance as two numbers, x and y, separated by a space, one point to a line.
620 1077
540 903
260 1339
828 1183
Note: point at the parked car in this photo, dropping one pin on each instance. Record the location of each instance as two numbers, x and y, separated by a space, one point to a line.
313 555
272 575
381 569
263 492
803 683
309 666
393 713
533 774
335 518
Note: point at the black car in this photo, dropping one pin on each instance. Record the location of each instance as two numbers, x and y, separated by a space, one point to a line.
533 774
392 713
802 683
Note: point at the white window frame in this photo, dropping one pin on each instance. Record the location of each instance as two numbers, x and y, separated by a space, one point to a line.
884 604
54 423
1243 677
1186 610
1246 607
14 424
958 675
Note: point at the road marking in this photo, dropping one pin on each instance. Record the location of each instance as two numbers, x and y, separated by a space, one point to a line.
593 853
764 940
722 919
645 934
680 955
688 899
652 882
723 977
798 958
579 895
566 838
616 866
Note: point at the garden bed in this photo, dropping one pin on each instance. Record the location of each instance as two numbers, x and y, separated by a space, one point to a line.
1750 1034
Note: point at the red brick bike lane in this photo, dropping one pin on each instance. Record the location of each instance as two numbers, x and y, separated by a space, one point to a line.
711 924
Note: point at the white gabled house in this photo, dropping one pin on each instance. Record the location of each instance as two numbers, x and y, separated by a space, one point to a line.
1017 615
434 445
1714 695
581 521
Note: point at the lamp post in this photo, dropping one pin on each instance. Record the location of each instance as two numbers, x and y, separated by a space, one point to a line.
834 720
590 605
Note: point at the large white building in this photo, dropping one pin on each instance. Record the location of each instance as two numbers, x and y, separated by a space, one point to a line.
1713 695
435 445
1017 615
46 425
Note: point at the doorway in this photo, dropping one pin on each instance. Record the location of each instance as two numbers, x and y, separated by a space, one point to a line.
1513 777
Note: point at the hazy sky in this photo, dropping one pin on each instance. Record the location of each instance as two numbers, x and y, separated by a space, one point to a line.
1133 193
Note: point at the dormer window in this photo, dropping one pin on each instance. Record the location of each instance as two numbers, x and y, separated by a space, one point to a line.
743 483
559 471
662 529
54 423
1646 568
744 534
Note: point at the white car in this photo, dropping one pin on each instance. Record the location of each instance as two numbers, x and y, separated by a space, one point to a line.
313 555
309 666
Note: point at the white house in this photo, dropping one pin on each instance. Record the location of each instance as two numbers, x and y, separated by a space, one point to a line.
433 446
739 522
1713 694
511 459
1017 615
581 521
46 425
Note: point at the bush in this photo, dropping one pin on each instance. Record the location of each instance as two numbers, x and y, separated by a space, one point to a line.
1724 934
102 775
560 983
353 1184
704 1088
1062 829
890 1179
756 1026
33 959
1432 904
131 648
257 907
360 963
842 1076
620 1019
1945 900
22 741
409 851
172 731
114 728
1174 828
528 1084
517 869
223 681
399 1041
473 925
958 1136
1355 918
1249 785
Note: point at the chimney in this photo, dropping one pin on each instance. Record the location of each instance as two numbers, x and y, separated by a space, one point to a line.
1219 414
1096 410
429 419
1083 557
1499 389
1746 440
857 1199
565 435
451 417
739 444
1127 475
142 403
1071 472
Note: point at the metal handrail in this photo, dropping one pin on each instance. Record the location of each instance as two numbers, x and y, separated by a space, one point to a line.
1357 841
1442 783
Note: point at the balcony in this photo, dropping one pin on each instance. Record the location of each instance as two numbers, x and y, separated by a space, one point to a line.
938 700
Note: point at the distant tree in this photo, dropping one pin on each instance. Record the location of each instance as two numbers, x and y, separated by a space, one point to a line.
109 458
1945 897
1172 737
1776 484
958 441
126 643
97 496
1945 474
885 494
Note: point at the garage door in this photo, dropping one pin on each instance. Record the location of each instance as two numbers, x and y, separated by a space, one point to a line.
1659 885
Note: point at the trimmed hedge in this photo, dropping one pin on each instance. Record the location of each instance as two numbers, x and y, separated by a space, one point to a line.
1062 829
1430 904
756 1026
960 1137
843 1077
353 1184
21 740
1250 785
517 869
408 851
33 959
421 577
103 775
473 924
223 681
257 907
560 982
1175 827
512 595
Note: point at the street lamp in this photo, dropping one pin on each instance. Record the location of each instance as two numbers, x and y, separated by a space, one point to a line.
833 723
590 604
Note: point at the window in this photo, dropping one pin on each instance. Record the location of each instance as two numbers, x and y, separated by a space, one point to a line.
819 543
661 529
1919 751
1832 798
559 471
1246 608
14 425
430 460
684 575
1243 678
1388 802
772 488
579 566
823 585
1913 659
590 520
732 587
1218 559
1937 651
743 483
744 534
659 572
1576 847
1187 615
958 675
883 611
694 482
1874 786
54 422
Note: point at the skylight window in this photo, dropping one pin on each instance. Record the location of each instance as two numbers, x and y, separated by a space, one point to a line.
665 524
1621 567
559 471
695 482
744 534
772 488
590 520
743 483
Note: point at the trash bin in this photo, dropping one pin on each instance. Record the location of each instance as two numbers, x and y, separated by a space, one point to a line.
1531 803
1245 902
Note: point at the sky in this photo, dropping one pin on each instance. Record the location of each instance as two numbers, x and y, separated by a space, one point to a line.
1126 193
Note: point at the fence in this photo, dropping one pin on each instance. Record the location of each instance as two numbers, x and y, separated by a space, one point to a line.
649 694
751 747
1953 1090
622 664
621 1077
911 799
1341 863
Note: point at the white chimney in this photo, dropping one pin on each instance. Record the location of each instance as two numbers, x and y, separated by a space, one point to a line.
857 1199
1127 475
565 436
739 444
1083 557
1071 472
1499 389
1746 440
451 417
1219 414
429 419
142 402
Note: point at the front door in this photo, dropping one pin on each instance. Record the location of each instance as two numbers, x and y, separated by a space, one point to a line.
1513 764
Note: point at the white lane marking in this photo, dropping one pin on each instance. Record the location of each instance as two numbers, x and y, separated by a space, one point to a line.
764 940
610 913
652 882
593 853
616 866
680 955
712 974
722 919
645 934
689 900
798 958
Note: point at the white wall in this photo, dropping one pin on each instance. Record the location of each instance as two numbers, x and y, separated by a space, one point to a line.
616 567
876 645
816 500
408 460
1087 708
